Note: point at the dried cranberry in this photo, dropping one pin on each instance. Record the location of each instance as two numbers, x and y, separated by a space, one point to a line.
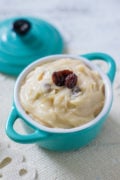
60 76
66 72
71 81
65 77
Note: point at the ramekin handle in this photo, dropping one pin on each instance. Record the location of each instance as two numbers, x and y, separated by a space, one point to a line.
105 57
37 135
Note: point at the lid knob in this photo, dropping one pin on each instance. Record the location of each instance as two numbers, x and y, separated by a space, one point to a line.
21 26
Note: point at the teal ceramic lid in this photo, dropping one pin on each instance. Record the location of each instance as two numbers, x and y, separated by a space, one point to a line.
24 40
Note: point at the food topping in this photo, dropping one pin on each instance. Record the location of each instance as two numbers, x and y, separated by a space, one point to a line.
64 78
71 81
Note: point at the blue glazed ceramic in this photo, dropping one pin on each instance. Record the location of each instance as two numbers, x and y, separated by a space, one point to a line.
63 139
19 45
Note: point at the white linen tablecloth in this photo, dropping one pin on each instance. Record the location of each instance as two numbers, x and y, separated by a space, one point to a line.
87 26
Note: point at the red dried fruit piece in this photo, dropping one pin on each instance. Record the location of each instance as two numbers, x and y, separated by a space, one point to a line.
60 76
71 81
66 72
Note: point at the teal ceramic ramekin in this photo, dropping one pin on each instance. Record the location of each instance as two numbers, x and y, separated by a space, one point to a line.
56 138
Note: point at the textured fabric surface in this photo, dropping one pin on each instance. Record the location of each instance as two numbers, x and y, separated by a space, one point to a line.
86 27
